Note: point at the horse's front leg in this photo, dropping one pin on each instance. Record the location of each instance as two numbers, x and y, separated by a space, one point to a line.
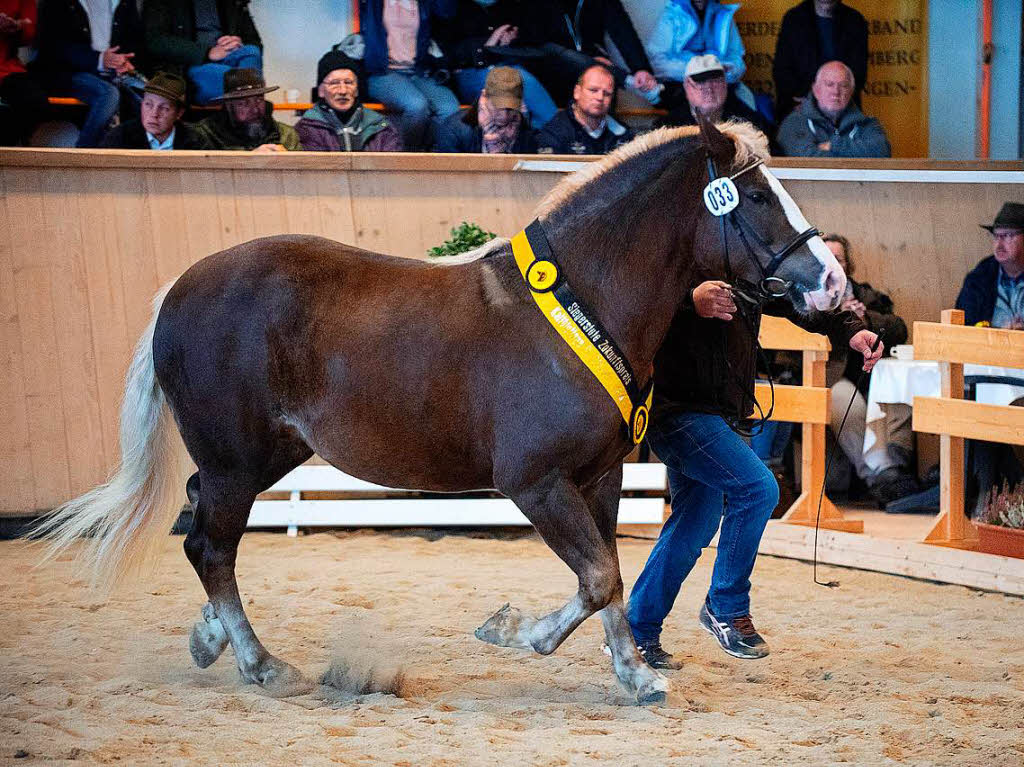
560 512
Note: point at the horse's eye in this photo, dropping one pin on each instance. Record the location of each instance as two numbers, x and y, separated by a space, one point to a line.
758 197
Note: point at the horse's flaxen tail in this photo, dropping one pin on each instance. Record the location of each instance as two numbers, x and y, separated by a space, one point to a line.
127 517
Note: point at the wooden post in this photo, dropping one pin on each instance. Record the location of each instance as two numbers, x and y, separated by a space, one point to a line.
952 527
804 510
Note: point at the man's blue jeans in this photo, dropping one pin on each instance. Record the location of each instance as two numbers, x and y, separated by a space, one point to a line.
470 82
421 103
102 98
710 470
208 78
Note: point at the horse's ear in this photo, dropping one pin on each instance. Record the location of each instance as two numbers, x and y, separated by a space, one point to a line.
717 143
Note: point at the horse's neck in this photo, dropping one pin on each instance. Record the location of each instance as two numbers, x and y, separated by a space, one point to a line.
634 289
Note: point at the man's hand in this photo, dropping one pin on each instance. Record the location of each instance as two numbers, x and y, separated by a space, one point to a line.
825 146
851 304
9 27
713 299
118 62
225 44
644 80
503 35
862 342
269 149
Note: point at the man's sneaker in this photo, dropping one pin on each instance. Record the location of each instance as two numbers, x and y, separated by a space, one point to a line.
656 657
653 654
737 636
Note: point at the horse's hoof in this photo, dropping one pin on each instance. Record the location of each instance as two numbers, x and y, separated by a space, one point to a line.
280 680
653 691
507 628
208 639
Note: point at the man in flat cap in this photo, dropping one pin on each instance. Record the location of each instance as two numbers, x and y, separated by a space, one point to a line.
159 125
707 91
247 121
993 292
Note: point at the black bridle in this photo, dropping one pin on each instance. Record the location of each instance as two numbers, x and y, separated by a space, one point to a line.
769 287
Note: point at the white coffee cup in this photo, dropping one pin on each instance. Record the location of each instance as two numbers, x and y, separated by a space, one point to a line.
903 352
292 95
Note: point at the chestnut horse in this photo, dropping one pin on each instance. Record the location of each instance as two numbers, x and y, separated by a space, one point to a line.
439 377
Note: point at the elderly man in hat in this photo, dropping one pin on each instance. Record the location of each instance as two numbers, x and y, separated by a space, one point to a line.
247 121
159 124
496 124
993 292
339 122
707 91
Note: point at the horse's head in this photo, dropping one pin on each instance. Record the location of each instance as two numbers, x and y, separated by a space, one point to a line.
769 249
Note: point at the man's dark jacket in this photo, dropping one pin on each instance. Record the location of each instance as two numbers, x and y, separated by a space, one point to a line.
708 365
375 36
978 294
544 21
563 135
462 133
131 135
171 31
463 36
680 114
798 53
64 40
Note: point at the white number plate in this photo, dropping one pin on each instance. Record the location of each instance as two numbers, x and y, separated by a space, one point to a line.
721 196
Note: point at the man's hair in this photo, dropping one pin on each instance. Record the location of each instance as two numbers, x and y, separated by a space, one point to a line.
849 72
845 245
602 67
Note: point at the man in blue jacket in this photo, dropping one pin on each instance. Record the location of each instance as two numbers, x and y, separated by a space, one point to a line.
993 291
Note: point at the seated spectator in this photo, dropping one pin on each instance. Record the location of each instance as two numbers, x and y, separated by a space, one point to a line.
247 120
201 40
888 467
496 124
586 127
89 49
483 34
339 122
811 34
688 28
571 36
402 73
159 124
993 292
23 95
826 124
707 92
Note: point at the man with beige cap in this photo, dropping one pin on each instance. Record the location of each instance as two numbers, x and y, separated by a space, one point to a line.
496 124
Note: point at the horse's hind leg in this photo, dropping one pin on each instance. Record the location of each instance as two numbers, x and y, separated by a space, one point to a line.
561 514
220 519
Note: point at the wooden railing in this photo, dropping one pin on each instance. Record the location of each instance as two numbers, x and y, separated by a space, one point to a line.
808 405
955 419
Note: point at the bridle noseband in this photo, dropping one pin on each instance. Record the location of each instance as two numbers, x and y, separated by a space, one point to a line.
769 287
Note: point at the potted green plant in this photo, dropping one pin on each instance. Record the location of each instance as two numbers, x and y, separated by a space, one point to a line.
1001 526
464 237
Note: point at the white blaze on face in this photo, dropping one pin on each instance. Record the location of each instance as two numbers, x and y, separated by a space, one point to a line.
833 279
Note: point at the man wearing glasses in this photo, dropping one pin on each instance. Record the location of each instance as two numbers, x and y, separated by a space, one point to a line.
993 292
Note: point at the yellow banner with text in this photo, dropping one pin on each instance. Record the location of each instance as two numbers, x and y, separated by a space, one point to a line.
895 91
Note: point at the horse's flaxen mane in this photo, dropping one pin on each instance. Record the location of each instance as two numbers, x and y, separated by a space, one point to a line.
749 141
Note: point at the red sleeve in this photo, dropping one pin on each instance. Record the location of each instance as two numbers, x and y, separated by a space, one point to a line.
27 10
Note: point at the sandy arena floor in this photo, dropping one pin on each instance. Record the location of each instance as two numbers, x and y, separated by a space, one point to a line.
883 670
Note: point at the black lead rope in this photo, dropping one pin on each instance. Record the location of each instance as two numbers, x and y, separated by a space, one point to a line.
828 465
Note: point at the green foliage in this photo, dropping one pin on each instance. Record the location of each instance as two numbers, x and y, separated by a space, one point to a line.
1005 507
465 237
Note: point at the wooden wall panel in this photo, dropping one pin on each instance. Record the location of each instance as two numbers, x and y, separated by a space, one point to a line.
86 240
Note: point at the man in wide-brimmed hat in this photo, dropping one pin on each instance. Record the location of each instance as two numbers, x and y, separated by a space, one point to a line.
993 292
247 120
159 124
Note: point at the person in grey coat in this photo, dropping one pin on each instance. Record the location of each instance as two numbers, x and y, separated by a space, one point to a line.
827 124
